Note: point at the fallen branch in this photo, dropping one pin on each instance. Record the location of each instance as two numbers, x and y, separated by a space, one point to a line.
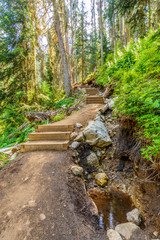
104 109
18 129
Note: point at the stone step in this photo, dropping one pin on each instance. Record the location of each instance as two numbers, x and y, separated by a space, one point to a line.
54 128
49 136
44 145
92 91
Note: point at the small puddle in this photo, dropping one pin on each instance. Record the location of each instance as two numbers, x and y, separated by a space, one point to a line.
112 208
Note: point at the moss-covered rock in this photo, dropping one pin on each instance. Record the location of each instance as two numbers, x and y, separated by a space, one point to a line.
101 179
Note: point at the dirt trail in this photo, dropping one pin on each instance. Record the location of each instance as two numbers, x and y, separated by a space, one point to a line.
35 198
83 116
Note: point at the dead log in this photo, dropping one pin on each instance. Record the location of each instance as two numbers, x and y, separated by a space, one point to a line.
108 92
39 116
18 129
104 109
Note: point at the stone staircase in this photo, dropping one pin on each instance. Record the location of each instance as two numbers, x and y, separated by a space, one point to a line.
93 96
48 137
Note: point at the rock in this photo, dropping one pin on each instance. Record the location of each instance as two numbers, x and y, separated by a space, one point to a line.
155 233
99 117
134 216
93 160
73 136
113 235
101 179
111 104
126 229
42 217
93 208
78 125
96 134
76 170
75 145
79 138
99 153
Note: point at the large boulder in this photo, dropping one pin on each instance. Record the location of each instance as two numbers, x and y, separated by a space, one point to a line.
96 134
101 179
134 216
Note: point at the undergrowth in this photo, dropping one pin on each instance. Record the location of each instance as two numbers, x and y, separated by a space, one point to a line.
134 74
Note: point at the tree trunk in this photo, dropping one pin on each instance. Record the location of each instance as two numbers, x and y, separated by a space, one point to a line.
158 13
120 27
72 42
82 52
67 80
101 31
75 50
149 13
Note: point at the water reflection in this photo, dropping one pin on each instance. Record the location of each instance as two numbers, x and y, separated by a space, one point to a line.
112 209
101 224
111 217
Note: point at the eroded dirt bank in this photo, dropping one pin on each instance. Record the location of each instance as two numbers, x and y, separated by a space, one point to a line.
127 172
